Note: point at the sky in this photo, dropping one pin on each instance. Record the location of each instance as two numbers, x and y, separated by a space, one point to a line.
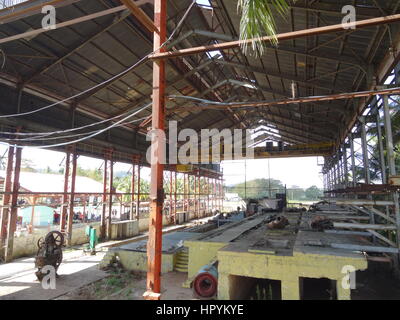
302 172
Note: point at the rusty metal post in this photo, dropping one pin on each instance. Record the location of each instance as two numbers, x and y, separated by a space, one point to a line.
154 244
208 195
184 192
104 201
138 193
110 198
64 209
133 193
13 211
6 198
71 198
170 197
175 195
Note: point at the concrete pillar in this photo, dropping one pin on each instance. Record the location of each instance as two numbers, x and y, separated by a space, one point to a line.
342 293
290 289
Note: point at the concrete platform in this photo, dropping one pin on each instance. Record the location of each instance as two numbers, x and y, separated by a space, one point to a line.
133 256
249 251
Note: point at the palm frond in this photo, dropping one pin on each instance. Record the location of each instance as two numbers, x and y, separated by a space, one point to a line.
257 20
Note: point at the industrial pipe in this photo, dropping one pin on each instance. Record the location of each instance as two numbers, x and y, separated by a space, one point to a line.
206 282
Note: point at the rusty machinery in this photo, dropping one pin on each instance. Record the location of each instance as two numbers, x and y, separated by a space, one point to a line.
49 252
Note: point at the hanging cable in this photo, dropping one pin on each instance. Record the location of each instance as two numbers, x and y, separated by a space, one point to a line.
47 138
142 60
85 138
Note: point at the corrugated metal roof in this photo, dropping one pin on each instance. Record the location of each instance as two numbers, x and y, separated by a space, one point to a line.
63 62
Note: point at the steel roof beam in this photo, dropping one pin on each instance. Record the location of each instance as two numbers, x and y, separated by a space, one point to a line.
122 17
280 37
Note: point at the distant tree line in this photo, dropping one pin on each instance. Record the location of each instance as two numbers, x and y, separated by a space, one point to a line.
267 188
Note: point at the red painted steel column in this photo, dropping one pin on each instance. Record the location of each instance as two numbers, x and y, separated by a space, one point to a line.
104 201
154 244
133 193
208 195
198 194
13 212
71 198
7 197
175 195
110 199
64 210
138 193
170 197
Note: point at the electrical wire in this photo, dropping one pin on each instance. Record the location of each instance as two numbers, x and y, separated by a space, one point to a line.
36 138
87 137
142 60
63 131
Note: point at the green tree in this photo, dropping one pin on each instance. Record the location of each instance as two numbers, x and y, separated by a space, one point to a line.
28 165
258 19
296 193
313 192
258 189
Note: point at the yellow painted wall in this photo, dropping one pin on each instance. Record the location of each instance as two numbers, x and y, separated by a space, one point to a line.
287 269
137 261
200 254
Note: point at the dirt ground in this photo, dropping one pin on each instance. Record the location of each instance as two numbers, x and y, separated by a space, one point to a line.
129 285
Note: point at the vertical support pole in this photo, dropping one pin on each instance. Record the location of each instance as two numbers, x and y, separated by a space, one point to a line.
133 193
175 193
353 160
6 198
138 193
392 168
104 201
64 210
13 211
170 197
198 194
334 177
157 192
367 176
364 146
381 150
110 198
345 166
208 195
339 169
71 198
33 200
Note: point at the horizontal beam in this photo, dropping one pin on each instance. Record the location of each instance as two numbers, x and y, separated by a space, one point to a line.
263 104
363 226
360 202
140 15
63 24
279 37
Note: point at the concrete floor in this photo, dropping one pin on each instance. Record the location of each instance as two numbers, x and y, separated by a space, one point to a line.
18 280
